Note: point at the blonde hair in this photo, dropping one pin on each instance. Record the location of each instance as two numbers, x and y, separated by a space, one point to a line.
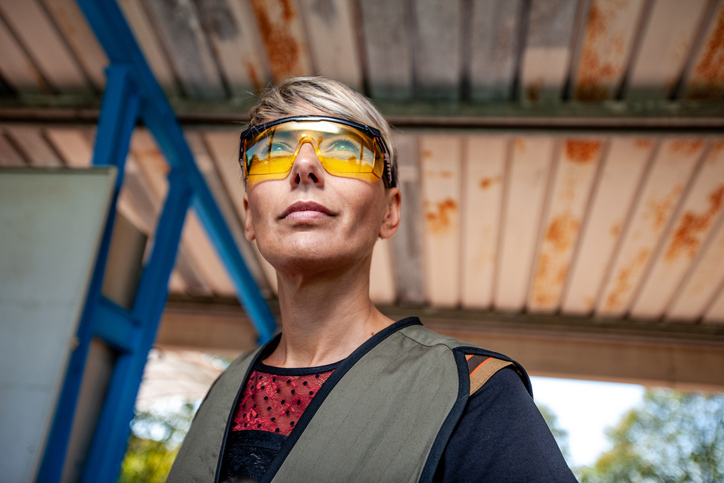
316 95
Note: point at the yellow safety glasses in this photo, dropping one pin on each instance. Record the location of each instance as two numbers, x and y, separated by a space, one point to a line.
344 148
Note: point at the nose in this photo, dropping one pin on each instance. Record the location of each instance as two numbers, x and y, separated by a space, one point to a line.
307 169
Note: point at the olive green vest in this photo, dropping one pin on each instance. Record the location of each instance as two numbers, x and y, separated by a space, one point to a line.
385 414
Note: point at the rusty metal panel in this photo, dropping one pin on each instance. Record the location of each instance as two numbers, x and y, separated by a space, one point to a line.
224 148
282 34
407 243
701 207
620 176
35 149
665 48
438 48
546 58
16 68
578 161
180 30
382 285
715 314
494 43
147 40
440 160
526 182
72 144
659 196
332 40
71 21
386 33
230 28
706 80
483 180
704 282
39 37
9 156
610 32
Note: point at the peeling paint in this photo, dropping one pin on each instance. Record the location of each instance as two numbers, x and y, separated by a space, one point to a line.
614 301
691 228
439 217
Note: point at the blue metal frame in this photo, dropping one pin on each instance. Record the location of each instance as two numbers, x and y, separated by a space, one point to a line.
132 94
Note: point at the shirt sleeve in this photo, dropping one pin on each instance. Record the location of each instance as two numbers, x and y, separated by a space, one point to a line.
502 437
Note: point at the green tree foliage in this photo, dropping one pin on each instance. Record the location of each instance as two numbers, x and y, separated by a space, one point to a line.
155 438
672 437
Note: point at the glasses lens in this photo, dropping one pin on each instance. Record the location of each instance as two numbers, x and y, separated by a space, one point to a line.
342 150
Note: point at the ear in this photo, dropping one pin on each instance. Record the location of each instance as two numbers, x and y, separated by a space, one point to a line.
391 221
248 227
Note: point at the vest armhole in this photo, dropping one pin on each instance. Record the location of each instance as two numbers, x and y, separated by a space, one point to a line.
481 368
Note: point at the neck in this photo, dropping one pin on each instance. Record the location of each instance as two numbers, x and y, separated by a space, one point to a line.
324 317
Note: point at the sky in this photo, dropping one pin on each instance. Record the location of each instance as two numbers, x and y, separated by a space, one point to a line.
585 409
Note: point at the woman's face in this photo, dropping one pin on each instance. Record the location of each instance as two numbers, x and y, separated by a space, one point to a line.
313 221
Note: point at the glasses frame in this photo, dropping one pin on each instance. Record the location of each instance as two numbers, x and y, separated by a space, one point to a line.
369 131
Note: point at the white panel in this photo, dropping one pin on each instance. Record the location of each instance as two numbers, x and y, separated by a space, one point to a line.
706 80
382 284
620 177
575 171
483 173
715 314
665 47
72 145
700 209
701 286
49 243
9 157
332 40
16 68
36 149
526 183
441 180
660 194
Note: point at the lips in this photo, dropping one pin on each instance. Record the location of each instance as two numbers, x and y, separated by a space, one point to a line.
306 209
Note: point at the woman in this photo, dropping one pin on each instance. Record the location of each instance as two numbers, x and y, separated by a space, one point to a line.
344 393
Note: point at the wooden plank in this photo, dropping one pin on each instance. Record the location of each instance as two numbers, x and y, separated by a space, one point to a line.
332 41
72 145
224 149
526 182
610 32
208 169
9 156
545 62
388 49
665 47
623 167
31 141
715 314
39 37
16 68
438 48
191 57
407 254
441 166
230 27
705 281
575 171
382 284
146 37
659 197
494 44
700 208
282 34
81 39
483 181
706 80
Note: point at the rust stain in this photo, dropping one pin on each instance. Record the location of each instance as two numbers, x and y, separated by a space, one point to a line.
658 210
644 143
582 151
615 229
426 154
687 147
439 218
282 49
692 226
624 278
486 183
559 238
520 145
562 232
446 174
588 302
709 72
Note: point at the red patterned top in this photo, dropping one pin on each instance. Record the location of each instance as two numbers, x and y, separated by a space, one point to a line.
275 403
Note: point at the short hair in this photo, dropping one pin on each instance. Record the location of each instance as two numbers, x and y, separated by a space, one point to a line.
317 95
